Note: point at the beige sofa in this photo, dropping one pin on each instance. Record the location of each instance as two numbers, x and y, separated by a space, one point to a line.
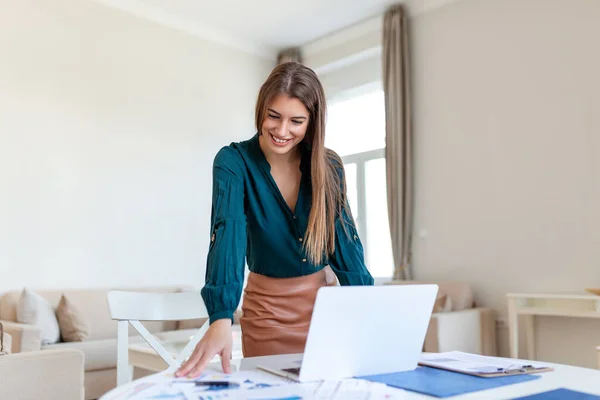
462 326
100 348
47 374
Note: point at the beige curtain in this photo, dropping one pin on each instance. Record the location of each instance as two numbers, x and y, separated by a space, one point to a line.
398 141
289 55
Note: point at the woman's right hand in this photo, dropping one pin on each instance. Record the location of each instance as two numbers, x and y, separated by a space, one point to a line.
217 340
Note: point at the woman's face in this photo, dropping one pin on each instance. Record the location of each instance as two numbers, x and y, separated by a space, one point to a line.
285 124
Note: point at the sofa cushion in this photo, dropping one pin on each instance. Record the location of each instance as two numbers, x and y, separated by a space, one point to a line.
71 320
176 335
33 309
99 354
102 354
92 303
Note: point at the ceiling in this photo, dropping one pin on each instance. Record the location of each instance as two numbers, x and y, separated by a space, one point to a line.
258 26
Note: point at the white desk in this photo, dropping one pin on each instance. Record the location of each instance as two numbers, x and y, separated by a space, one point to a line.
582 305
563 376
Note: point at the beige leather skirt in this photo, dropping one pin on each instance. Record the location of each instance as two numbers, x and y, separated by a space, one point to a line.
276 312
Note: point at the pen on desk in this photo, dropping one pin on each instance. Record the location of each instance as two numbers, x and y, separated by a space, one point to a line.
221 384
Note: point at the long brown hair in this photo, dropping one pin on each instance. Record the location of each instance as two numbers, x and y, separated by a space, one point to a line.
328 193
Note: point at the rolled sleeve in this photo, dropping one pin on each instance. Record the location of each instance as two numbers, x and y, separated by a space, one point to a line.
227 251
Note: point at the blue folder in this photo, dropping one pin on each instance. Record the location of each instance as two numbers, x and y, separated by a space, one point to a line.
442 383
561 394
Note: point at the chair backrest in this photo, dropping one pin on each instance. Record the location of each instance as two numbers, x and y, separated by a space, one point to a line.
141 306
133 307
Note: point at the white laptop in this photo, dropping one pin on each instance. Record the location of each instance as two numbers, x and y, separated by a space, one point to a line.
361 330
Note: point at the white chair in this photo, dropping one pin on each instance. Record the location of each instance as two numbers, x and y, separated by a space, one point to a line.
133 307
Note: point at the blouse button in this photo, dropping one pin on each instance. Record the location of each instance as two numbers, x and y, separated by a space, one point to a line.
212 239
300 239
304 260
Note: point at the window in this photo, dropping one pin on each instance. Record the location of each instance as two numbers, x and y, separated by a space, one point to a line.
356 131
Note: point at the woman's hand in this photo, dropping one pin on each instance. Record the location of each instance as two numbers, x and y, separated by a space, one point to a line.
217 340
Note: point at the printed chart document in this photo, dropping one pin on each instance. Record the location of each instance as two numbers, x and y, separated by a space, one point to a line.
251 385
347 389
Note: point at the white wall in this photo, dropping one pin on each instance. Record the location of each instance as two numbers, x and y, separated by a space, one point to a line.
108 127
507 141
507 148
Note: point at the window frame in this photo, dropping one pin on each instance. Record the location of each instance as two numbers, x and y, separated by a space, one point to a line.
360 160
362 214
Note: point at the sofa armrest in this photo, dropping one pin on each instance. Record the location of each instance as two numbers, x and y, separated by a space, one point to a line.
45 374
472 331
24 337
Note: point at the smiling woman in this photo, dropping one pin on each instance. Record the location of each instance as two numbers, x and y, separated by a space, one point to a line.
279 201
286 122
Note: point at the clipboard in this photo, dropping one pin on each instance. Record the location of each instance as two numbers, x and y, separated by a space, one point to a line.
441 383
481 366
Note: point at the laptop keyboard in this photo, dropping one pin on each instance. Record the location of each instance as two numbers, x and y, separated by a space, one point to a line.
295 371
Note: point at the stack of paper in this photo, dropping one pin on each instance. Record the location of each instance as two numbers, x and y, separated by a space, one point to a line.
251 385
347 389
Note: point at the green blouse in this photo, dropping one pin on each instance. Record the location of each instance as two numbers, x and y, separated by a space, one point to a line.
251 220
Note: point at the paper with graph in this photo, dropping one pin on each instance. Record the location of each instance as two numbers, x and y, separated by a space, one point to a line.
250 385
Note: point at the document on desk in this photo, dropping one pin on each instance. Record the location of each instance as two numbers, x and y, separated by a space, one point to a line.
347 389
213 385
250 385
474 364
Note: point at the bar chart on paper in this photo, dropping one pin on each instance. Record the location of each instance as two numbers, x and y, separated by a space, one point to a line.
250 385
